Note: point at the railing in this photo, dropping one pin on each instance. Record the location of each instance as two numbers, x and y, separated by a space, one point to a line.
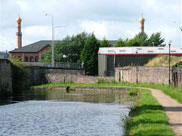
4 55
56 65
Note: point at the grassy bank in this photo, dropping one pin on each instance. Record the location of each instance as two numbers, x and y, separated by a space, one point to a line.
147 118
175 93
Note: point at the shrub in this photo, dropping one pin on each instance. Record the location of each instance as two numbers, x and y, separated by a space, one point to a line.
133 92
101 81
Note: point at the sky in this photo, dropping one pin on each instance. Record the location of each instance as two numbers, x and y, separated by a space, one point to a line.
112 19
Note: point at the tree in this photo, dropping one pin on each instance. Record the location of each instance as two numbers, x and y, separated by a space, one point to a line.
105 43
142 38
135 42
89 55
69 47
120 43
46 57
156 40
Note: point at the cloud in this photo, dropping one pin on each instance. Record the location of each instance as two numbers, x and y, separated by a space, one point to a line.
170 33
106 18
99 29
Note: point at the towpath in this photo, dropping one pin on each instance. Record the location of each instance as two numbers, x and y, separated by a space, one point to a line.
172 108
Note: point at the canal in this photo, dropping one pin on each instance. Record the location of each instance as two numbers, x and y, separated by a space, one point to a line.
58 113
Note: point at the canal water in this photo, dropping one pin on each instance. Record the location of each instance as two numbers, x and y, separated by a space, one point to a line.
57 113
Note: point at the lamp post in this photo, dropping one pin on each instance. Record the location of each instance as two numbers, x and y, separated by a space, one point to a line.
137 67
52 43
181 33
114 59
169 61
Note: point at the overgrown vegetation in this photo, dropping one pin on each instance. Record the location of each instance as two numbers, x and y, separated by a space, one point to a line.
163 60
20 75
147 118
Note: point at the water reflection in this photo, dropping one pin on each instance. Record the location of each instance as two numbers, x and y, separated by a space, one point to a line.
60 95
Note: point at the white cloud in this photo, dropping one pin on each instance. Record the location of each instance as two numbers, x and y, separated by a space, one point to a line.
106 18
98 28
169 33
7 43
41 32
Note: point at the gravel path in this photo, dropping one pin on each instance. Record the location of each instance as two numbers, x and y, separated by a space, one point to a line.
172 108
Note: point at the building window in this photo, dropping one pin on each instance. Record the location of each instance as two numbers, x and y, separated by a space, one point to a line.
36 58
31 59
26 59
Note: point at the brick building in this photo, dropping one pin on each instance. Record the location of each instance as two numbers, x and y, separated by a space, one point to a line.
32 52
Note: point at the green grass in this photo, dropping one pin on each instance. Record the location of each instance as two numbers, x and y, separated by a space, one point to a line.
147 118
175 93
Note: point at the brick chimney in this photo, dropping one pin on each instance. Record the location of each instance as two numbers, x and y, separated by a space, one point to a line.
18 34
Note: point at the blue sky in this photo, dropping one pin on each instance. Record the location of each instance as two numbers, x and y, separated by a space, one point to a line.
106 18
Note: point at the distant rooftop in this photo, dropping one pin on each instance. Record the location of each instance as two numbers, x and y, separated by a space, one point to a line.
38 46
34 47
140 50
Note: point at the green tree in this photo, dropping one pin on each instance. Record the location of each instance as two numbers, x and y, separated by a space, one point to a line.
90 55
105 43
156 40
142 38
135 42
69 47
46 57
120 43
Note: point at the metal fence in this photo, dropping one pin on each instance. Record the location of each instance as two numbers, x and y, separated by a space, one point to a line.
4 55
56 65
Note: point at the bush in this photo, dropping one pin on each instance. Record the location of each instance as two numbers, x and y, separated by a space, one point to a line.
101 81
133 92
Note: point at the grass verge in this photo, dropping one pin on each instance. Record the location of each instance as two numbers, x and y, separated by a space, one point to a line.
147 117
175 93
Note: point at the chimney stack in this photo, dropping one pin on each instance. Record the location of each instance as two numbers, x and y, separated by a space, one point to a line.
18 34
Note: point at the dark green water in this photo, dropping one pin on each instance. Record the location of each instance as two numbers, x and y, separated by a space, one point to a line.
80 96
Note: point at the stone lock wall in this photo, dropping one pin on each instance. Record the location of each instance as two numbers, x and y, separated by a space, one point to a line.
42 75
142 74
54 78
5 76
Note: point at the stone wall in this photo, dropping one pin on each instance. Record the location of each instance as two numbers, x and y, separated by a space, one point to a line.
5 76
142 74
42 75
54 78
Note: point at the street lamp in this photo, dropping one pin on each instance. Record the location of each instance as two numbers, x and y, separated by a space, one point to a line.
181 34
52 43
169 61
137 66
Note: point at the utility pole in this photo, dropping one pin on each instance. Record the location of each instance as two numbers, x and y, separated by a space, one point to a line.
170 61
